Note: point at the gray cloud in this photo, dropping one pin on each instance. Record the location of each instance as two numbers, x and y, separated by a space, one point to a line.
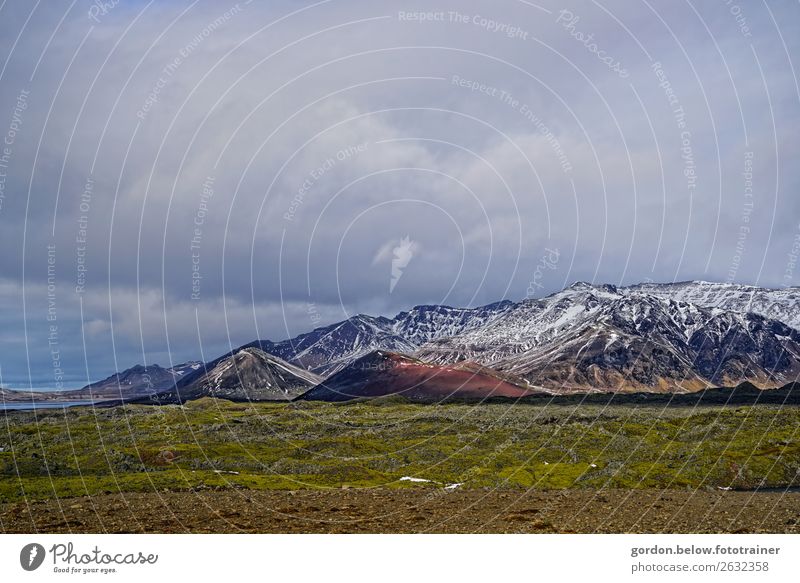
247 160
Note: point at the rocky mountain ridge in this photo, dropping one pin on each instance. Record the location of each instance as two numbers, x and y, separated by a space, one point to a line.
589 337
673 337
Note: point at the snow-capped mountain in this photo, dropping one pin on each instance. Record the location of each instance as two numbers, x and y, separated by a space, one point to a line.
247 374
776 304
599 337
647 337
425 323
134 382
329 349
326 350
181 370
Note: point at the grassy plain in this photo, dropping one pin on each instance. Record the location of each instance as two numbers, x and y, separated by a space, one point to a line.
214 445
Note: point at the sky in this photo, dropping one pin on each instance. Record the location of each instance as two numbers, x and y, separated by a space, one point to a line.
180 178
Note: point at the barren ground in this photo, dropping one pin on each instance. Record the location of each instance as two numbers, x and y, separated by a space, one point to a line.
411 511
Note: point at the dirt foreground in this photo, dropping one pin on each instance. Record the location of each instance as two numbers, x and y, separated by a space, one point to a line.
411 511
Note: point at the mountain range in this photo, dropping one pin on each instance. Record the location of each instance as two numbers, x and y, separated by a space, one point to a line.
134 382
606 338
327 350
667 338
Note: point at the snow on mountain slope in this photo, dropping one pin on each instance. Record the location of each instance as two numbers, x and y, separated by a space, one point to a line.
668 337
133 382
425 323
523 326
600 337
776 304
329 349
248 374
326 350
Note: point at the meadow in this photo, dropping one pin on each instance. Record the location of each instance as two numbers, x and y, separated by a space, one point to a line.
212 444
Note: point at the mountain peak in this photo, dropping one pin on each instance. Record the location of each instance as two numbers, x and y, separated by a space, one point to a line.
246 374
581 285
586 286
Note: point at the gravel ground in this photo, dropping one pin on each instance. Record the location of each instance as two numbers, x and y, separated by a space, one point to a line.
412 511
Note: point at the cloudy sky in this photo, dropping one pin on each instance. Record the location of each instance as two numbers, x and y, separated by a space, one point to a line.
179 178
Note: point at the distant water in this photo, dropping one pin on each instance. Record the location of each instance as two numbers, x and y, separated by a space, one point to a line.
58 405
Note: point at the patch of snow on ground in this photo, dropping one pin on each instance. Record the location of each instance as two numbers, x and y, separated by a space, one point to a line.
410 479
